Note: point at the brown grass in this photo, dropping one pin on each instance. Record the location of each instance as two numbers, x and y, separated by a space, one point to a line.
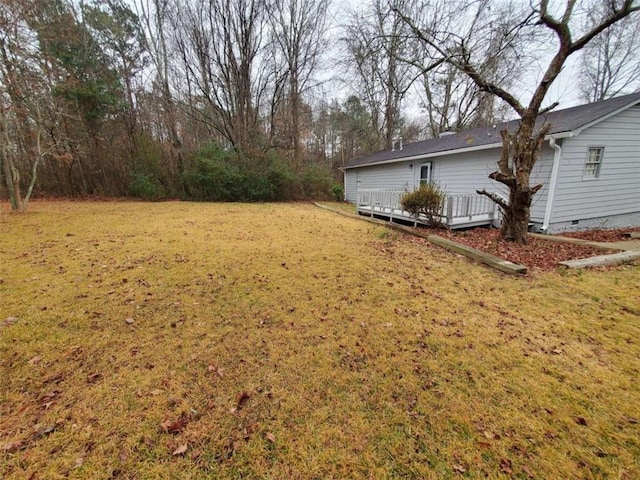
180 340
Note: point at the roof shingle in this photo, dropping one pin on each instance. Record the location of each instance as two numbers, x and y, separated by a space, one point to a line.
562 121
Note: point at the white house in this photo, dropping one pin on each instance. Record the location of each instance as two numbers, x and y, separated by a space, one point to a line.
589 166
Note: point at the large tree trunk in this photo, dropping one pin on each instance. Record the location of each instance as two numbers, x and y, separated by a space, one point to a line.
12 180
520 150
515 222
11 174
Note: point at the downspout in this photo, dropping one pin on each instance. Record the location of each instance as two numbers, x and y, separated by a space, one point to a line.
552 183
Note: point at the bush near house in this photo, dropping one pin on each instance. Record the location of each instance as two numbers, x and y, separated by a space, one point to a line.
428 200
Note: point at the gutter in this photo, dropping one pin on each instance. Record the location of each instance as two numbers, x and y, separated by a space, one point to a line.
552 182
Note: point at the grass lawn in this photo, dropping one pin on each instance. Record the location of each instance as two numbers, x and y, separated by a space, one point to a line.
182 340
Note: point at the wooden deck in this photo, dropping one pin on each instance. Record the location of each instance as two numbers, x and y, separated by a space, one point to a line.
458 211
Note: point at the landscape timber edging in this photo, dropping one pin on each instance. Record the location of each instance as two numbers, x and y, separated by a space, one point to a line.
575 241
602 260
469 252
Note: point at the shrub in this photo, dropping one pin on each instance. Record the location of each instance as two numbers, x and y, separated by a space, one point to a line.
147 179
216 174
146 186
338 192
316 182
428 200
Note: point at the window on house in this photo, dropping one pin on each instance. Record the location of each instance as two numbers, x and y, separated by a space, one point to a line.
425 174
594 160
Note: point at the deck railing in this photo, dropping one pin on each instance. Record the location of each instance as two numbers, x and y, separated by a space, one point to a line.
457 209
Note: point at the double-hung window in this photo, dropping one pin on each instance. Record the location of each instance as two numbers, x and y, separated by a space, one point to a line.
593 162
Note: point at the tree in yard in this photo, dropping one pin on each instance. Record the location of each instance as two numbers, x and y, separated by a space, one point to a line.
539 21
610 64
221 43
298 29
118 30
376 45
25 106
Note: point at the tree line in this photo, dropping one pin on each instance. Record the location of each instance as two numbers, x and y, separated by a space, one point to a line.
235 99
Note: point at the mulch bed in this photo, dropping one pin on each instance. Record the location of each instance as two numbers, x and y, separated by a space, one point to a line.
617 235
538 254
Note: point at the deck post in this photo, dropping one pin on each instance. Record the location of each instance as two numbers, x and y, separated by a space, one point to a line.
449 210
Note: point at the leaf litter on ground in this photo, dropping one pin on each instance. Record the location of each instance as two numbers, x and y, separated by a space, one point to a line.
371 355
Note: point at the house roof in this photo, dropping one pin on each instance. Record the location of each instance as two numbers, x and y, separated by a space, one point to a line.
569 121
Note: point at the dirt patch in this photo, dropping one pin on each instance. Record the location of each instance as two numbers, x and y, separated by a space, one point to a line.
616 235
538 254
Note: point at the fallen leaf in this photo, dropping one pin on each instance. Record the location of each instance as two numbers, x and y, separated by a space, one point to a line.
243 398
78 463
13 447
130 321
489 435
180 450
506 466
632 420
49 396
9 321
157 391
176 426
459 468
581 421
271 437
40 430
35 360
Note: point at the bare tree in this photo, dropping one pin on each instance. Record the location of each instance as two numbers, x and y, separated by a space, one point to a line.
610 64
452 100
221 43
298 29
156 16
521 147
376 42
24 141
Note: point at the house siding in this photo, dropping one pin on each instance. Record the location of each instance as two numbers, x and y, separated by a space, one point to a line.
468 172
394 175
616 191
456 174
350 185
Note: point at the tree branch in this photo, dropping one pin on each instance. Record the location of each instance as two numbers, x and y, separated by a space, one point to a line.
495 197
508 180
549 108
626 10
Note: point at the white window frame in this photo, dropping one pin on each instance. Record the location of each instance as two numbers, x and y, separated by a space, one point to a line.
593 163
428 180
